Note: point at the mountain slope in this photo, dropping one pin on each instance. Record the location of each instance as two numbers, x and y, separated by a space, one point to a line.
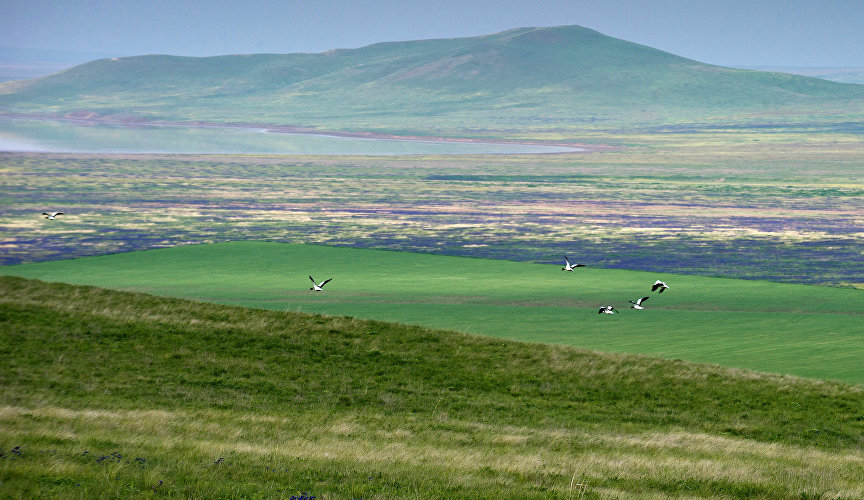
570 73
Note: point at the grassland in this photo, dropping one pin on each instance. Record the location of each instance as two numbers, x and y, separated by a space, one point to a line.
778 205
715 172
803 330
112 394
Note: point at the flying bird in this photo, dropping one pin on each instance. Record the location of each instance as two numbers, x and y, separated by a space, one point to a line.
607 310
637 304
52 215
318 286
568 266
659 285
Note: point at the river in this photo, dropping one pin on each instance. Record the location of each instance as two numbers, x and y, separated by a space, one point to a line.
74 136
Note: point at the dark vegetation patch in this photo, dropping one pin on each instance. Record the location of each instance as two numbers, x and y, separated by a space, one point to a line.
625 211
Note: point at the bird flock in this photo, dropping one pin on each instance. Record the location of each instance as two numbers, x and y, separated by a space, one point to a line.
658 286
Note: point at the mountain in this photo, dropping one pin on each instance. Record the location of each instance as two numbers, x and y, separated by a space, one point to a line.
535 77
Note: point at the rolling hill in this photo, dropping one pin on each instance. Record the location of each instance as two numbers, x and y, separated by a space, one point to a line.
528 78
116 394
801 330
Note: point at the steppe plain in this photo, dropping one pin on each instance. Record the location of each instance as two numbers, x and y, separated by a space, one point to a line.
780 206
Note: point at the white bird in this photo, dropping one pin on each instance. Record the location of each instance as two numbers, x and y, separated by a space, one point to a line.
568 266
52 215
318 286
607 310
661 285
637 304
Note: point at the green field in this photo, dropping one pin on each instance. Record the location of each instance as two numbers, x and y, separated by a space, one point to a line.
107 394
803 330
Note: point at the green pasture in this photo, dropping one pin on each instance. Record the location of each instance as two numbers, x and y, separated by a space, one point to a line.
808 331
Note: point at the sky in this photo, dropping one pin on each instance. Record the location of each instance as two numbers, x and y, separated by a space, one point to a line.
787 33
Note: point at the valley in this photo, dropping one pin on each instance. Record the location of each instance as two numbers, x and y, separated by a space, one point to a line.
159 336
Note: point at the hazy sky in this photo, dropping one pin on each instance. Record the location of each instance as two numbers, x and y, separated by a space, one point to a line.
725 32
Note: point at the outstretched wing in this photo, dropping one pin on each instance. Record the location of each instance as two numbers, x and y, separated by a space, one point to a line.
324 282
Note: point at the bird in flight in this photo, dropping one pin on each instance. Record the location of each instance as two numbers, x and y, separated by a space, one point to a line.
637 304
659 285
318 286
52 215
607 310
568 266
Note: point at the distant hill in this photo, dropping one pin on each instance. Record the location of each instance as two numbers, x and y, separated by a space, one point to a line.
540 78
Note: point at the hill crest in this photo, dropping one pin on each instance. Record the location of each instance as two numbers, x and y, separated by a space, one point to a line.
566 73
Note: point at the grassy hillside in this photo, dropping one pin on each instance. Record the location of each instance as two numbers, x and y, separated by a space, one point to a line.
546 79
112 394
795 329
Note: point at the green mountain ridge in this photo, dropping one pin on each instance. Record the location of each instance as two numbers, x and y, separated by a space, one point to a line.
550 76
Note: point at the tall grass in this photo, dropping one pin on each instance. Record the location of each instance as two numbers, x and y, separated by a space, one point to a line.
113 394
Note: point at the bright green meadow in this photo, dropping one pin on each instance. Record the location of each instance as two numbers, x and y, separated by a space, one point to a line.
809 331
108 394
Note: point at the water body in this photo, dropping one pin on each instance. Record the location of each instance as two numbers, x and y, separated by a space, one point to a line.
69 136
